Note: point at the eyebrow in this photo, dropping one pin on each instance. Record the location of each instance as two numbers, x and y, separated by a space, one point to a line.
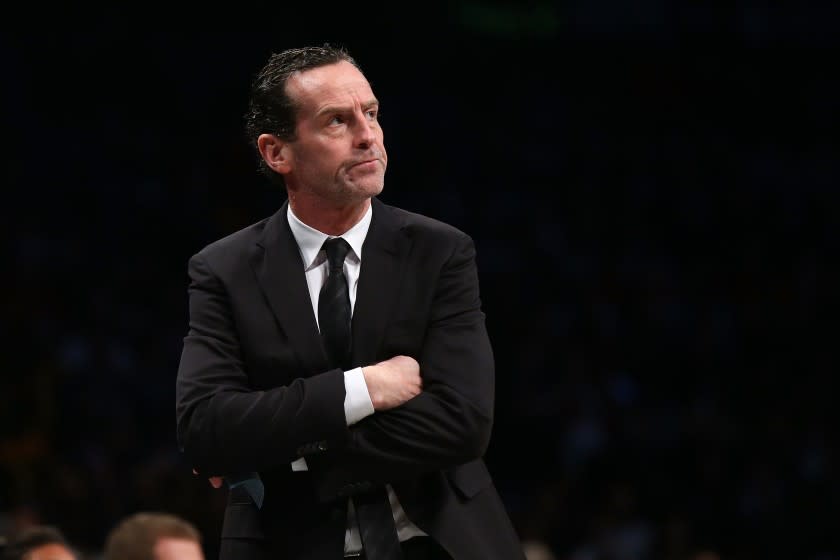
345 108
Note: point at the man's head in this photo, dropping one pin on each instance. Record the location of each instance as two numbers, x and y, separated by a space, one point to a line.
314 120
158 536
39 543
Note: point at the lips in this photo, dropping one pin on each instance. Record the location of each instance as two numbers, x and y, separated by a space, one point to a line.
364 162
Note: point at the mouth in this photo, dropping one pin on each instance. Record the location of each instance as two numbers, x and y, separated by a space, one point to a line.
366 163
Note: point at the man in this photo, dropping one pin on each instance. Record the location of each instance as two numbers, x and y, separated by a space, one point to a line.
153 536
337 371
39 543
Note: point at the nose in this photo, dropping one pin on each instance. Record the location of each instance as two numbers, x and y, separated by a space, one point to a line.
365 134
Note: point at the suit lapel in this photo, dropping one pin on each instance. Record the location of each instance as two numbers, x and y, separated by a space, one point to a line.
276 261
384 254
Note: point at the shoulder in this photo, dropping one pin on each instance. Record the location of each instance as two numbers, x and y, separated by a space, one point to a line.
232 248
422 228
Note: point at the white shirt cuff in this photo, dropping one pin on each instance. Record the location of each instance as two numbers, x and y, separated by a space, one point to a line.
357 403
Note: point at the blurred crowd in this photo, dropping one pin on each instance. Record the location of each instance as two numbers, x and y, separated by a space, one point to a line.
145 535
655 227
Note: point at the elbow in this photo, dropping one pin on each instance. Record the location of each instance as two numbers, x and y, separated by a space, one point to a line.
468 425
191 442
476 437
482 437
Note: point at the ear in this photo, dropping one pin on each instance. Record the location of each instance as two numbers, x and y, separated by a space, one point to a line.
275 152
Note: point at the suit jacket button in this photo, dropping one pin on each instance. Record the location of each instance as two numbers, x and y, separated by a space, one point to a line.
322 446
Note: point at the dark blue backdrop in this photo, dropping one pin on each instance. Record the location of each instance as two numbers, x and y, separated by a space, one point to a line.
653 195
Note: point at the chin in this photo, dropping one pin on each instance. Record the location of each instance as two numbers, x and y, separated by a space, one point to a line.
368 190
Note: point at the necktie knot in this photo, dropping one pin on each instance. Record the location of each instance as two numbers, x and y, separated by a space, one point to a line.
336 249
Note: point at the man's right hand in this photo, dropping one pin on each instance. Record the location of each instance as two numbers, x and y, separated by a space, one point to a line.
392 382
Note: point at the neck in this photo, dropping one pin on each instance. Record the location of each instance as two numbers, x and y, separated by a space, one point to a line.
329 218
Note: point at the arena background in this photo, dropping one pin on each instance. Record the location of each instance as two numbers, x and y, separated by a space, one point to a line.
653 195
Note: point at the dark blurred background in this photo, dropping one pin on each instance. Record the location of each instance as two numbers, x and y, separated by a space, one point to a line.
652 189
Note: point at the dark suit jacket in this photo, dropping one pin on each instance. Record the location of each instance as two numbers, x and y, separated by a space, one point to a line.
254 391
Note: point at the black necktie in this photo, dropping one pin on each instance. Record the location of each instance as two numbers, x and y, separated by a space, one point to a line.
373 510
334 306
376 525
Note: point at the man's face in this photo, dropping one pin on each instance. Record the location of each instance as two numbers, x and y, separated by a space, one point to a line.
50 552
338 154
169 548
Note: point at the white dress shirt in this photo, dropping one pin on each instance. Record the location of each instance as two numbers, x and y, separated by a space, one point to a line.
357 403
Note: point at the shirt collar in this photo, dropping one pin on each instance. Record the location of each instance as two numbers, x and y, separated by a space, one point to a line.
310 240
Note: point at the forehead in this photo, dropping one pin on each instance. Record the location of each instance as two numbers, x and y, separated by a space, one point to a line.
336 83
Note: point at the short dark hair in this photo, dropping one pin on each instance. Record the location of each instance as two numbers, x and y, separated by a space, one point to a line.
270 109
134 538
26 540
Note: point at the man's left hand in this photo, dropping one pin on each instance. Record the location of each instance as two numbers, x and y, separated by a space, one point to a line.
215 481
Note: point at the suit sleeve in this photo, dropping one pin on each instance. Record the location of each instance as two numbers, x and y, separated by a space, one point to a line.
223 425
450 421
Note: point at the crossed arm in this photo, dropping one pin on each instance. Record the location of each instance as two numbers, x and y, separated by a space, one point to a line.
430 413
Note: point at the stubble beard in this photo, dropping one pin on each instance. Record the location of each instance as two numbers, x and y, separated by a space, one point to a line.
348 191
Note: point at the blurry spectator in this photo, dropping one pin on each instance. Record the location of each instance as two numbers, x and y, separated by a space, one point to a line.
536 549
154 536
39 543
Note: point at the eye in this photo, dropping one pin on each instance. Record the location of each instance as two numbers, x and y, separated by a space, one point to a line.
372 114
337 119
